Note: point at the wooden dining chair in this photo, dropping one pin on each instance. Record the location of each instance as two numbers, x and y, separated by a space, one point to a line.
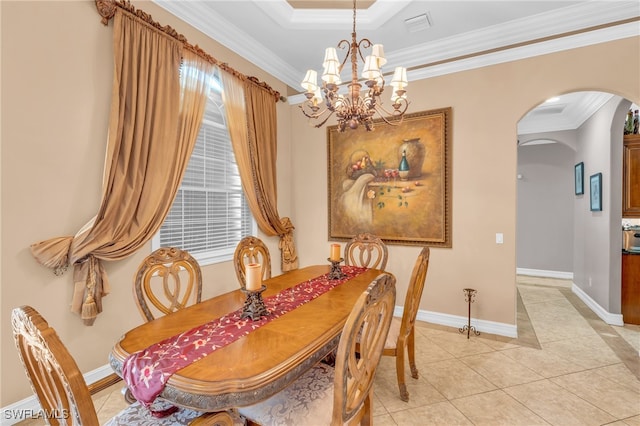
366 250
167 280
401 336
341 395
251 250
62 392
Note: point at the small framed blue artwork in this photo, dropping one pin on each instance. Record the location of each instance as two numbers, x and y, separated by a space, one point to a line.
579 178
596 192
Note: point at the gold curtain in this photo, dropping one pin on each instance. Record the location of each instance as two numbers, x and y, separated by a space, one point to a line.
251 118
152 131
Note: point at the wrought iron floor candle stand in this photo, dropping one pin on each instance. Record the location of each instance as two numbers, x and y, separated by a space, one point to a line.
336 271
469 294
254 307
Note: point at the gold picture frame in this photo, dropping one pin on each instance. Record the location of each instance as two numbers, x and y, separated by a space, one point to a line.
371 188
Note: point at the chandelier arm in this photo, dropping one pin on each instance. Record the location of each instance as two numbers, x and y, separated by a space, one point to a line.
402 107
397 113
364 43
314 115
342 45
324 121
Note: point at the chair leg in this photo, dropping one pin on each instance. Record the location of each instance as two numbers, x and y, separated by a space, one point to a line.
367 419
404 393
127 395
411 349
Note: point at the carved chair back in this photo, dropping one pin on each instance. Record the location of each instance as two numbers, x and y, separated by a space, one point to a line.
167 280
366 250
251 250
359 351
54 375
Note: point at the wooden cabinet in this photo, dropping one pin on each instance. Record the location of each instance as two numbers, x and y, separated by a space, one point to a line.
631 288
631 176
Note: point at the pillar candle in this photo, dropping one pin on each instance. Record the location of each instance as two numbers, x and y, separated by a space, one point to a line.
254 276
335 252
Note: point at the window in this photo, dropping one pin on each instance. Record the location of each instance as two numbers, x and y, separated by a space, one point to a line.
210 214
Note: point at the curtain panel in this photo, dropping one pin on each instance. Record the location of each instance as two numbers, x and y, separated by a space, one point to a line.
252 121
152 131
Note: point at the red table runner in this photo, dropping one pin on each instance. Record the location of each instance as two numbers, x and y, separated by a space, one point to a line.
146 372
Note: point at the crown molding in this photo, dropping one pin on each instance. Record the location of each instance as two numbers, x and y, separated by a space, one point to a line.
542 27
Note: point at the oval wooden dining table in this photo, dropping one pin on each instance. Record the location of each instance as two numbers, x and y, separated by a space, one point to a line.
260 364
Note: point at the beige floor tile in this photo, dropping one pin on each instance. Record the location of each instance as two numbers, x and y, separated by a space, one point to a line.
557 405
428 351
384 420
542 362
588 352
458 345
533 294
541 281
496 408
441 413
631 333
421 392
619 373
378 407
499 342
500 370
453 379
616 399
632 421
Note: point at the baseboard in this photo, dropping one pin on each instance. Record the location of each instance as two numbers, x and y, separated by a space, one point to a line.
30 407
545 274
483 326
608 317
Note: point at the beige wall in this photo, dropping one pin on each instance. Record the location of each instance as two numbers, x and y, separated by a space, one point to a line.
56 70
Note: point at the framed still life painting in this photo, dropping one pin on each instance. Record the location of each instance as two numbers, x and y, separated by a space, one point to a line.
394 182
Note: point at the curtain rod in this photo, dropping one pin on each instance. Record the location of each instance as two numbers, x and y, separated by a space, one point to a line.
107 9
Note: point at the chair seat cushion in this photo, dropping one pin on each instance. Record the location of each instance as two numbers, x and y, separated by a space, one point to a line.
137 415
307 401
394 333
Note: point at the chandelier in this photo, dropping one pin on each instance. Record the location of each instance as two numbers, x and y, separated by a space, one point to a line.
358 106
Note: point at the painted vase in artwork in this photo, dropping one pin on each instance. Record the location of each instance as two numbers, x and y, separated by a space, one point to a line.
414 151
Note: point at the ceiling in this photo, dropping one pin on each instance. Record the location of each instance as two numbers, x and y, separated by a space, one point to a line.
430 38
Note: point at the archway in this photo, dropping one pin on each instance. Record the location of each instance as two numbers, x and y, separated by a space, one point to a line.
558 236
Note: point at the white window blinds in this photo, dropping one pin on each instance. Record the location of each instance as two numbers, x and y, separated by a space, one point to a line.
210 214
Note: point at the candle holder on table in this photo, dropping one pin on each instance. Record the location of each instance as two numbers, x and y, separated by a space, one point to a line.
469 297
336 271
254 307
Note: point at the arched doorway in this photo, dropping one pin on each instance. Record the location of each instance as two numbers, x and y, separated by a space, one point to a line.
557 233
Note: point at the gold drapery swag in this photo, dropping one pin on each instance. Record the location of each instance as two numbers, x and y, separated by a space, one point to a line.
142 173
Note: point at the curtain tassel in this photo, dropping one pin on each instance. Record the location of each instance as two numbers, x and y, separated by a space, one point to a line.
89 307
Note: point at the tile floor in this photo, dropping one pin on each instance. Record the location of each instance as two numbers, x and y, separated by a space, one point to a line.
567 367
